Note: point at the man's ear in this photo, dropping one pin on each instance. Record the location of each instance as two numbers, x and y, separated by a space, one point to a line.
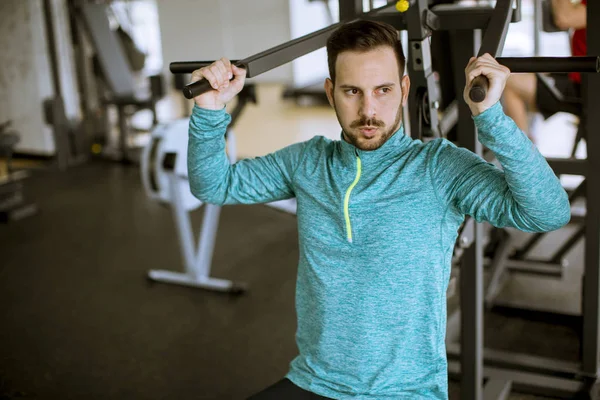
405 83
329 91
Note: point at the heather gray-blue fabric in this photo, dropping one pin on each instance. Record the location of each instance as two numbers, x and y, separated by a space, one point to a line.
376 236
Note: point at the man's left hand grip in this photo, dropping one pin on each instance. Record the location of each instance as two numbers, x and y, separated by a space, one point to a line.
196 88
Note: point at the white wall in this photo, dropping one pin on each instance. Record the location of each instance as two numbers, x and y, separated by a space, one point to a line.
25 75
306 17
198 30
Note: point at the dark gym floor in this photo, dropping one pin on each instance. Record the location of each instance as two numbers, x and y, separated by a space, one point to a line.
79 319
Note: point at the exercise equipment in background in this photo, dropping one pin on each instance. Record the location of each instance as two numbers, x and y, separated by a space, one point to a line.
164 175
13 205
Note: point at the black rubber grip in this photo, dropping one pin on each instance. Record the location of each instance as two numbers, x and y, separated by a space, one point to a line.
196 89
479 89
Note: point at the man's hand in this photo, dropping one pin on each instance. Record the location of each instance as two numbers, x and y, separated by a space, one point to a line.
497 76
219 75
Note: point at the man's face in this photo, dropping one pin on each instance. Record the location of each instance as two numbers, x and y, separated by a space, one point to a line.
368 96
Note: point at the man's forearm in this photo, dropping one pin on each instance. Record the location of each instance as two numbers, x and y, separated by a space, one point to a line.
208 165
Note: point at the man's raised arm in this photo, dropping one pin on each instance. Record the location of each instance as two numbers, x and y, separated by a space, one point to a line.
212 178
525 194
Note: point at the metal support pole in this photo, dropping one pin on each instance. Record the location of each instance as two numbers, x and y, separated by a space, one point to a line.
591 285
423 94
537 26
464 45
349 9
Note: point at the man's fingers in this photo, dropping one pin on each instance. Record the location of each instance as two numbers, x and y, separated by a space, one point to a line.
223 72
211 78
484 65
239 74
228 66
219 76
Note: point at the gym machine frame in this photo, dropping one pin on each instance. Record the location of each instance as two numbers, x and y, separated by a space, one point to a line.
505 371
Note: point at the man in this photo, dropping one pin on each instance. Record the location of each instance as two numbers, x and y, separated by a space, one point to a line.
378 214
524 94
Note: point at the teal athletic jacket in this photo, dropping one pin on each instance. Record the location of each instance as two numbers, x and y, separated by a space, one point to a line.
376 235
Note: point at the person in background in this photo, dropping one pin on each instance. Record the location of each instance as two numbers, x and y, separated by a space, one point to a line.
523 95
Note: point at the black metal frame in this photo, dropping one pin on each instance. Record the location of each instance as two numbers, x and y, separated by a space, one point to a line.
537 375
591 284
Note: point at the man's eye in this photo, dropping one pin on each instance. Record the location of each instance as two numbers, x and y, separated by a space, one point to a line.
352 91
385 90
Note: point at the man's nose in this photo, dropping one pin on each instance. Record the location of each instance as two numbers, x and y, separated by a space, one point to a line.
367 108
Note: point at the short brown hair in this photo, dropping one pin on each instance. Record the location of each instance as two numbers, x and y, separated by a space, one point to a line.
363 36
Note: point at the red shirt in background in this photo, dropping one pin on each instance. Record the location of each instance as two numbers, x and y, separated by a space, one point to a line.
578 48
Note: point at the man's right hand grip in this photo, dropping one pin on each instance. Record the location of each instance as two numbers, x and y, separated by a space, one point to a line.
196 88
479 88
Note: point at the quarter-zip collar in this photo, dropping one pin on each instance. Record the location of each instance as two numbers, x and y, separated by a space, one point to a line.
395 145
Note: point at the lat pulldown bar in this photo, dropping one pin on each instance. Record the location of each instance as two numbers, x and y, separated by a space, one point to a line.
515 64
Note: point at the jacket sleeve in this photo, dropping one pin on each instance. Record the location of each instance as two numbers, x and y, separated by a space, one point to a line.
524 194
214 180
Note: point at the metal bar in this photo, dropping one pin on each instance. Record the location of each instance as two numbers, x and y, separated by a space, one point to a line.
457 17
414 20
396 20
551 64
537 26
495 35
286 52
349 9
281 54
453 327
578 191
515 64
492 43
464 43
536 384
535 267
591 283
423 89
524 362
516 14
206 241
529 312
184 225
497 389
565 248
52 48
497 268
568 166
526 248
577 215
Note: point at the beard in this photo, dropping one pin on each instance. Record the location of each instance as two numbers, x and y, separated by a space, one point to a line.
354 137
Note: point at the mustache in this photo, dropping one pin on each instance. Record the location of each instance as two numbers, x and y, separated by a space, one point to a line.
367 122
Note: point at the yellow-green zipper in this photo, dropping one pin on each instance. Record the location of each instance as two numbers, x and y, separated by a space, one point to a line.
347 200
